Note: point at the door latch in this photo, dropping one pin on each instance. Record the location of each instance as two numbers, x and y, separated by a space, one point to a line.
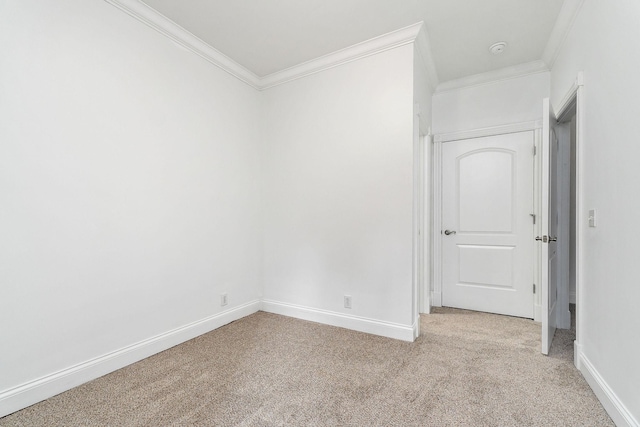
547 239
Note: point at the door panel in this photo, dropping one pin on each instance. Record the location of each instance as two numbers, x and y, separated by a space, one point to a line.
488 266
487 201
480 170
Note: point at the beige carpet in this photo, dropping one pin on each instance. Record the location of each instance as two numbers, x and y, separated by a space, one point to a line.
467 369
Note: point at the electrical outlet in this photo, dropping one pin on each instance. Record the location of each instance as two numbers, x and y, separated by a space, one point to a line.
347 301
224 300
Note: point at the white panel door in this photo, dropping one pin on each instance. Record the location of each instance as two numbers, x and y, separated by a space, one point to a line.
549 225
487 224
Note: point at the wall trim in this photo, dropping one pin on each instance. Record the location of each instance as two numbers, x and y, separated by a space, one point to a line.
436 296
184 38
580 205
347 321
407 35
357 51
436 189
495 76
577 351
490 131
566 18
570 100
610 401
424 293
423 48
418 232
27 394
436 223
537 310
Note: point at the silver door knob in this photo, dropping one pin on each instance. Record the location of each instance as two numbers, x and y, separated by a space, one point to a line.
449 232
553 239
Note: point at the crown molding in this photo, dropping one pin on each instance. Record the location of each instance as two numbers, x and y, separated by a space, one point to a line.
369 47
411 34
184 38
566 18
494 76
423 47
564 22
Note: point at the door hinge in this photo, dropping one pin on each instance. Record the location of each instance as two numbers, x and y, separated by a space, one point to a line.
534 288
534 218
535 150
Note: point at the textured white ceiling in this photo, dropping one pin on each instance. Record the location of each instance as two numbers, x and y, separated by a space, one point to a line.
266 36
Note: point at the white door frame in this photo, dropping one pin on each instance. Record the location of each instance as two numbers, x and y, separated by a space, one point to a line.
574 97
433 287
436 191
421 235
425 302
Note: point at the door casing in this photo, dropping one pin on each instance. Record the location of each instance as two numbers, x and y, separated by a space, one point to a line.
488 263
575 99
436 212
432 291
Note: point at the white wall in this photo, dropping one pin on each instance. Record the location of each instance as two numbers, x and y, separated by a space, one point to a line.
516 100
129 186
604 44
339 186
132 175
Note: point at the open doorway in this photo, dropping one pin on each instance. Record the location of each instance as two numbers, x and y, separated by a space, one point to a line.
567 126
568 121
566 129
483 219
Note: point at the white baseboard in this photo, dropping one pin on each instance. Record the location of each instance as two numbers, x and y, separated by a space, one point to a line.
577 351
537 313
610 401
27 394
356 323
